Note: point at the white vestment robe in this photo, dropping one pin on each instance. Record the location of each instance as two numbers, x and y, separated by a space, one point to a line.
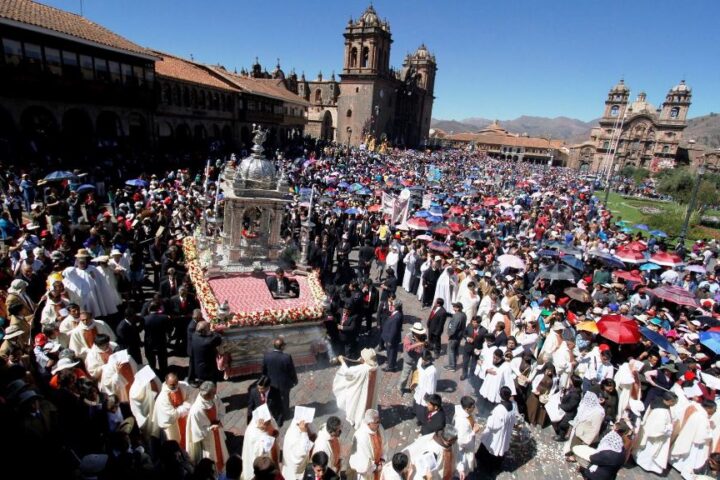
410 261
389 473
427 444
142 398
426 264
95 360
90 286
498 430
108 274
296 452
427 382
171 411
628 386
257 443
362 455
443 289
79 344
117 379
203 441
355 390
324 442
692 446
466 444
502 377
654 445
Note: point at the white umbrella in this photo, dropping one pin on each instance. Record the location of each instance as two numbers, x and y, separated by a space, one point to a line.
511 261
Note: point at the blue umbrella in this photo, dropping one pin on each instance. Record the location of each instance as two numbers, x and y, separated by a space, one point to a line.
650 266
658 233
548 253
423 214
137 182
626 230
437 210
711 340
434 219
352 211
573 262
343 184
84 187
364 192
641 226
658 340
58 175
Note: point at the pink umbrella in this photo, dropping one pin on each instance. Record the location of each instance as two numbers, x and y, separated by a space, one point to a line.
674 294
424 238
633 276
511 261
696 269
630 256
666 259
417 223
636 246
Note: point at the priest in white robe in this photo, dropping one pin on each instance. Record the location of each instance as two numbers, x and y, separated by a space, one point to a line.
204 433
87 283
83 336
445 284
172 406
399 468
296 450
467 430
328 441
691 448
495 439
433 455
355 387
261 439
427 384
411 264
497 374
427 264
368 449
653 448
118 375
627 382
108 273
142 394
98 355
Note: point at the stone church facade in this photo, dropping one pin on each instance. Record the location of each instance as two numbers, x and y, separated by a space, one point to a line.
635 133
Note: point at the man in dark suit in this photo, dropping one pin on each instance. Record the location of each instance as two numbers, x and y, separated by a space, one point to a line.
366 254
370 302
279 366
391 334
388 287
170 285
318 468
434 420
279 285
436 325
263 393
349 324
157 326
474 336
190 330
203 364
429 282
569 404
181 307
128 334
455 330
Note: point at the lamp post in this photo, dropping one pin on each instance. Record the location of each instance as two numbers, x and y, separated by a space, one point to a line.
700 172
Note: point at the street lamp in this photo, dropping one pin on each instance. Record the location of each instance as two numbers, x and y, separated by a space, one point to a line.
700 172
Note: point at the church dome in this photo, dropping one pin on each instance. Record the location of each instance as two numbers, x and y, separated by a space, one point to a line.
620 87
641 105
257 172
681 87
370 17
422 52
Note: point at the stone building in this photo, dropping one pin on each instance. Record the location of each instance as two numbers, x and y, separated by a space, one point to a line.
496 142
635 133
322 96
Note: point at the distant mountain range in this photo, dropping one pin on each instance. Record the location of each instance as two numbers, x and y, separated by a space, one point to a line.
705 130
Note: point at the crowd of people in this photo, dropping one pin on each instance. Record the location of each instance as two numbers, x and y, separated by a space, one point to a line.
548 306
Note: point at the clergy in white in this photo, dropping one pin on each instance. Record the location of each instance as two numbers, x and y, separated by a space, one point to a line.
118 375
172 406
692 446
328 441
627 380
445 284
355 387
261 439
142 394
296 450
427 383
399 468
495 439
204 433
657 426
83 336
368 449
433 455
87 283
467 429
498 374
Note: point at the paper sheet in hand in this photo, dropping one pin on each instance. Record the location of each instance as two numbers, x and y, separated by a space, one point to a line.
710 381
262 413
267 443
144 376
303 413
119 357
552 407
426 463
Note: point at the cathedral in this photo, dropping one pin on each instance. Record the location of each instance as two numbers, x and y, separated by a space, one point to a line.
371 99
635 133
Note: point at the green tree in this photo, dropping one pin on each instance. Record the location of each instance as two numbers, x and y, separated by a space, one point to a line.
640 174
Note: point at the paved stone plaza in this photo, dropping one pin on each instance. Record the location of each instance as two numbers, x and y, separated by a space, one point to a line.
542 458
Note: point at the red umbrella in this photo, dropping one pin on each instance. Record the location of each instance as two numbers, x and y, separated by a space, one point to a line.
619 329
457 210
630 256
666 259
674 294
439 247
374 208
456 227
636 246
445 231
417 223
633 276
491 201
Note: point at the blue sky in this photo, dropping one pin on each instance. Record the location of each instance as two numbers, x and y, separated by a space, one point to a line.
496 59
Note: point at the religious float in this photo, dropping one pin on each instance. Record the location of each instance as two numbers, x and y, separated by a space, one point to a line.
230 271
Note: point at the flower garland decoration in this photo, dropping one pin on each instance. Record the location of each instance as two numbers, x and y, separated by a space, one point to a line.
211 307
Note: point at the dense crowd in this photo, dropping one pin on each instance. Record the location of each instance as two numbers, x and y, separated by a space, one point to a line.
550 307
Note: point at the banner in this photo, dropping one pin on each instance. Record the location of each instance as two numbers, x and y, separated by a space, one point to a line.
400 207
304 194
388 203
426 201
434 174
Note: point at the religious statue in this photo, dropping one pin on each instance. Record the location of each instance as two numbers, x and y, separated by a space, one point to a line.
259 135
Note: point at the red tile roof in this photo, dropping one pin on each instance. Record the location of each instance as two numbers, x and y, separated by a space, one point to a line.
266 87
53 19
186 70
504 139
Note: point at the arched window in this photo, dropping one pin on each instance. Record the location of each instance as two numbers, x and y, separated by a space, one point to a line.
353 57
193 98
419 79
348 114
202 99
318 96
166 94
674 112
614 111
606 144
186 96
365 57
666 149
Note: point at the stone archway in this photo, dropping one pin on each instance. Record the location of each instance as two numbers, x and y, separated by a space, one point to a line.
77 131
38 122
109 126
137 129
326 128
8 134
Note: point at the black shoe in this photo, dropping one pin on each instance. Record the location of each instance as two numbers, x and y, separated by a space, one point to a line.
463 376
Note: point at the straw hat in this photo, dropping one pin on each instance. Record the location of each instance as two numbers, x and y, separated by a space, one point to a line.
82 253
418 329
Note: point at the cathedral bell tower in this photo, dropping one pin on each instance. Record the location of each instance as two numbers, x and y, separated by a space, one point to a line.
367 45
617 100
677 103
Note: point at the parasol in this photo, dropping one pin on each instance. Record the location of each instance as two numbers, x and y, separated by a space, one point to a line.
374 208
439 247
424 238
416 223
658 233
559 272
619 329
85 187
667 259
636 246
674 294
58 175
475 235
630 256
711 340
137 182
659 340
649 266
457 210
574 262
578 294
511 261
695 268
633 276
641 226
587 326
607 259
